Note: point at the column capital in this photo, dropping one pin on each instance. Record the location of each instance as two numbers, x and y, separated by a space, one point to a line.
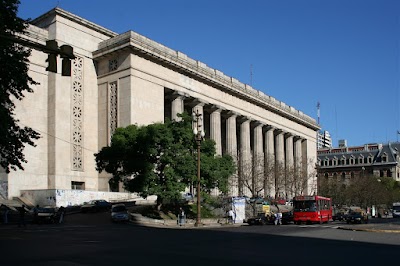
214 108
196 102
257 123
177 94
228 113
289 135
270 128
242 119
297 138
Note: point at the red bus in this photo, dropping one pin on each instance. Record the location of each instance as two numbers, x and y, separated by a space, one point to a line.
311 209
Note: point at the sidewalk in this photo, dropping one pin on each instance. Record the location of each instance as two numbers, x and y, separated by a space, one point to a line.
375 225
189 223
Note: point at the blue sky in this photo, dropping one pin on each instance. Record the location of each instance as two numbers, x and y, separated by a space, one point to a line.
344 54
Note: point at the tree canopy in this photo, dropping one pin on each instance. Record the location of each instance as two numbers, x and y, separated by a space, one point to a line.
161 159
14 82
362 191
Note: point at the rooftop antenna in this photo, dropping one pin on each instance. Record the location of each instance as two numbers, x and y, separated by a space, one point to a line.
251 75
318 114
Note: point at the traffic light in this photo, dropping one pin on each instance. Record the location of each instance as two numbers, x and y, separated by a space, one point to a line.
66 53
52 47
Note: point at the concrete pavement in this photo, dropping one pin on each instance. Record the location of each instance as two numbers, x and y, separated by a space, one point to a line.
374 225
389 225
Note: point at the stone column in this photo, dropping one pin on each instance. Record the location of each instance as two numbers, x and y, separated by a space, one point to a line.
269 162
215 130
245 166
231 149
279 162
289 167
258 158
231 138
177 107
297 165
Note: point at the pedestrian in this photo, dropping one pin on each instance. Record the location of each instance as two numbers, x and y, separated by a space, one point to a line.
61 213
231 220
36 214
181 217
278 218
5 213
22 210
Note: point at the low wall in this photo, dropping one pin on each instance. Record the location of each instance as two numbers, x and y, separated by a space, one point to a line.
69 197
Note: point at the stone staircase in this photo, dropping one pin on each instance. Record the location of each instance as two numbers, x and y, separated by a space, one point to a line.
16 202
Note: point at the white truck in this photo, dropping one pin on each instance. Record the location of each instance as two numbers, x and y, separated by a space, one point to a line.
396 209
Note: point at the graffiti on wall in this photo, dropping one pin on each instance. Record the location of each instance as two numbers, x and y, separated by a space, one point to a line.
4 189
71 197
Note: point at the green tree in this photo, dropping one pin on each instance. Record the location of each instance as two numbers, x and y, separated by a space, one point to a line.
14 82
160 159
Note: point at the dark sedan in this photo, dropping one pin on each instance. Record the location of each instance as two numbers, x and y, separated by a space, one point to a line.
357 217
96 206
339 216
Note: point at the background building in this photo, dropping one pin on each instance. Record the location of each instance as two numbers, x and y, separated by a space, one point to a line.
123 79
324 139
344 163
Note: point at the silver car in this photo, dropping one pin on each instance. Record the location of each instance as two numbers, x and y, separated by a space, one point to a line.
119 213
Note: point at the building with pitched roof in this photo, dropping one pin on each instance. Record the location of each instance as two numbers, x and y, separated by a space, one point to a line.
344 163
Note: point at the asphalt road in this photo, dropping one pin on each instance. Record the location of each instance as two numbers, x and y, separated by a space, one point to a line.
91 239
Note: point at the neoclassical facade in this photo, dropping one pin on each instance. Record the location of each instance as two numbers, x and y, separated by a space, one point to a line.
123 79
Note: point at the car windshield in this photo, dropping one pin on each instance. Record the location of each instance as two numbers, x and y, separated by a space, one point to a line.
46 210
119 209
304 206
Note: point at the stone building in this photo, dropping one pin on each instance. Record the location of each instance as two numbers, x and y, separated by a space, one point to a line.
123 79
344 163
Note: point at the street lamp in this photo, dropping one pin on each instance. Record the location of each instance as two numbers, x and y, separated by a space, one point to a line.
199 136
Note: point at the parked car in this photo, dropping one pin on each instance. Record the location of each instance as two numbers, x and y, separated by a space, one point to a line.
95 206
357 217
339 216
119 213
287 217
188 197
47 214
261 219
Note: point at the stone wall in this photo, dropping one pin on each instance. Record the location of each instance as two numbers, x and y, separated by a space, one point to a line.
65 197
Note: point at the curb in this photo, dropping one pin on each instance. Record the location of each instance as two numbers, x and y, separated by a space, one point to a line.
141 220
370 230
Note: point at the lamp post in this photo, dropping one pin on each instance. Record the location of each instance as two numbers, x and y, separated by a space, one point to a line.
199 135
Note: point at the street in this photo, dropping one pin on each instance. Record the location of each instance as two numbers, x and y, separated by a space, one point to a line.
91 239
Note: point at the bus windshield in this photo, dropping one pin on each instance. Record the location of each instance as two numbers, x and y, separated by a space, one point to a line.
305 206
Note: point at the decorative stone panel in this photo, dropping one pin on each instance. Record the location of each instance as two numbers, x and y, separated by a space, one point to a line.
112 64
77 114
113 108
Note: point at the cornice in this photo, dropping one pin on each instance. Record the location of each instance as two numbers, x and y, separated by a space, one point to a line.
86 23
180 62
